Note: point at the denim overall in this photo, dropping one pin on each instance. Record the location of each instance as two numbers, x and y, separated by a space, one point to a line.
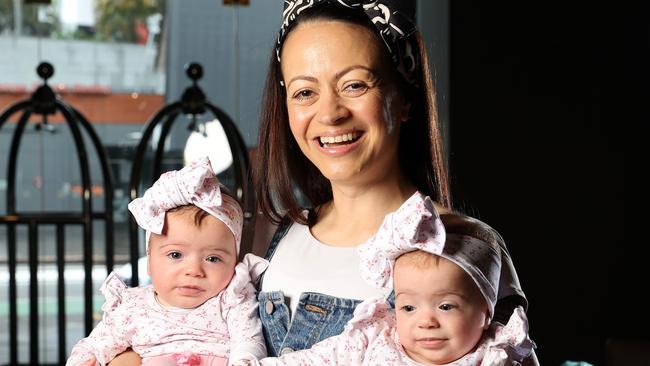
317 316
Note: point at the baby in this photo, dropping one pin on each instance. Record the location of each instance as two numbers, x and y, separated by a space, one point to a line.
201 308
445 284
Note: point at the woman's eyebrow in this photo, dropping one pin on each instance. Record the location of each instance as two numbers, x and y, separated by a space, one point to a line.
337 76
302 77
371 71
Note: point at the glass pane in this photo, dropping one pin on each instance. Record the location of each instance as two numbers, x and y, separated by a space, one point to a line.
108 66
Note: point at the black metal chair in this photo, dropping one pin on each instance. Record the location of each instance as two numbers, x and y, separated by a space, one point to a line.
44 102
193 103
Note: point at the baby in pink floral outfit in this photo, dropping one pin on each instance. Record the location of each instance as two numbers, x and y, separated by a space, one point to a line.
445 275
201 308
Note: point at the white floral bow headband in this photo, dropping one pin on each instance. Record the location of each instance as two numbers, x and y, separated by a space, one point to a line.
416 225
196 184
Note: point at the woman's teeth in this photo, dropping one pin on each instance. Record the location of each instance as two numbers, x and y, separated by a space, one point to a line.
346 137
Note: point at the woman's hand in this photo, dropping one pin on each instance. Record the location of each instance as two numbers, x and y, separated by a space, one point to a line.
531 360
90 362
127 358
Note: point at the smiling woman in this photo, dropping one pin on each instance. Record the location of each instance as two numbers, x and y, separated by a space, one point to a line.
349 121
341 74
343 97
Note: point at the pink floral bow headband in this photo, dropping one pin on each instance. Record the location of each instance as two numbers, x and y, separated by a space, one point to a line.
196 184
416 225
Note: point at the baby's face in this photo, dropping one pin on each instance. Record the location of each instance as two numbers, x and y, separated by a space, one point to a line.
441 314
188 264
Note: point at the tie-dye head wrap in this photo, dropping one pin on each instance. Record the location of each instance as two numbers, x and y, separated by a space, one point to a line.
393 20
416 225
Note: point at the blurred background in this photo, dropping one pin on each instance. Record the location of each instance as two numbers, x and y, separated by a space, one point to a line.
527 96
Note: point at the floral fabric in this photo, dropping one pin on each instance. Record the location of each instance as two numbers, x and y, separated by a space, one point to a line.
226 326
370 339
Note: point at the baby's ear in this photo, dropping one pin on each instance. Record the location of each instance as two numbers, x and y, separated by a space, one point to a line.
488 321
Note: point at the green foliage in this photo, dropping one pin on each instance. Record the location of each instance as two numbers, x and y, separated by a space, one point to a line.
117 19
6 16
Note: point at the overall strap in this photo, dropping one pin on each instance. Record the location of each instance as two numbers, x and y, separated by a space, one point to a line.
280 232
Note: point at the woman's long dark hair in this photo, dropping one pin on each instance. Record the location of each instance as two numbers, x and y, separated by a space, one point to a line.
281 167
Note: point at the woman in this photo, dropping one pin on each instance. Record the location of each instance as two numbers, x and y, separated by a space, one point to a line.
349 127
349 120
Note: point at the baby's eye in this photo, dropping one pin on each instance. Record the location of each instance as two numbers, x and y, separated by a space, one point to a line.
408 308
213 259
446 307
175 255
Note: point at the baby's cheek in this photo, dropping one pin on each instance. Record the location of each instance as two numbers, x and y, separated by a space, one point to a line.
224 278
403 330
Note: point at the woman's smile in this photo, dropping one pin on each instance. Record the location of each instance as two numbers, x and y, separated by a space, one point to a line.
339 144
336 139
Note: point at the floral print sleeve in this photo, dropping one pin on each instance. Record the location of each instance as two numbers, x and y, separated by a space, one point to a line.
241 311
510 344
106 340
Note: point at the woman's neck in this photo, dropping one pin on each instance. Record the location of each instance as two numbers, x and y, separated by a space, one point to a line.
355 213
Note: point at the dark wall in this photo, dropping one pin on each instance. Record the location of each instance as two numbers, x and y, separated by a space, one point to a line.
536 153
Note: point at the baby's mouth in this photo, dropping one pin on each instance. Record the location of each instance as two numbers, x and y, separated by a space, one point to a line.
190 290
339 140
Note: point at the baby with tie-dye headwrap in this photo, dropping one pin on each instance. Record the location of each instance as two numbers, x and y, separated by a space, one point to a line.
201 308
444 271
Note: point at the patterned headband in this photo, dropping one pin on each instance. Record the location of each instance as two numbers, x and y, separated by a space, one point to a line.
390 17
416 225
196 184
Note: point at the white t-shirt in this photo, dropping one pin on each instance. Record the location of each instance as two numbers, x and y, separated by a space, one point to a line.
301 263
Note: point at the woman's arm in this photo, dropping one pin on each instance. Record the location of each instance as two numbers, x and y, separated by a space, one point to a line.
127 358
343 349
